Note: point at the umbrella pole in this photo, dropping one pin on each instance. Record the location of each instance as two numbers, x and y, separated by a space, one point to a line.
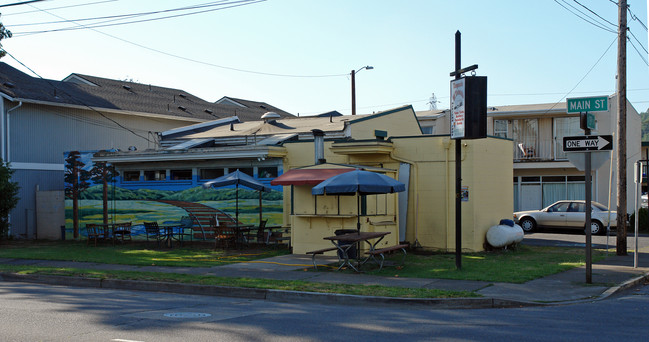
358 213
236 210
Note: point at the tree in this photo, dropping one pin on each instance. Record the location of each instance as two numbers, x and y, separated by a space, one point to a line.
76 181
8 197
4 33
103 173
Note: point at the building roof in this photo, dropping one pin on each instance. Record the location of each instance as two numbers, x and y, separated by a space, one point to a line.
115 95
226 100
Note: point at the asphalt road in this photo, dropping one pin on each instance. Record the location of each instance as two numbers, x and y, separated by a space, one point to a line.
34 312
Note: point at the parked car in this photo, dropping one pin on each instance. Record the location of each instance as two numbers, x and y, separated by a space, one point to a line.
567 214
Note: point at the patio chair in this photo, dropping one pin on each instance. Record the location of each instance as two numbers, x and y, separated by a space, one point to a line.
122 231
94 232
222 234
153 232
186 228
261 236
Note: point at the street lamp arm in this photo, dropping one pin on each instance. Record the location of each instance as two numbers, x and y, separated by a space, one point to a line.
368 67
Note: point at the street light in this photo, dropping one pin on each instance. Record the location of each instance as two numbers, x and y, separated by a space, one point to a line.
354 86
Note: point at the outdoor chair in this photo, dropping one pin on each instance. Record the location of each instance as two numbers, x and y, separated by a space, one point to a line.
186 228
153 232
122 231
222 234
261 234
94 232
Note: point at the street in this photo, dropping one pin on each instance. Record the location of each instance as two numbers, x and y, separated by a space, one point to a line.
31 312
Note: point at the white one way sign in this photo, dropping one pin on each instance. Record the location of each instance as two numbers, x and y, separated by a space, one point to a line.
584 143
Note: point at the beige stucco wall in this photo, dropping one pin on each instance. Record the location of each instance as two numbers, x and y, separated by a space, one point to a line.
487 170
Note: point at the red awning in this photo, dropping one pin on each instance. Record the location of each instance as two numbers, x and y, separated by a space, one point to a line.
307 176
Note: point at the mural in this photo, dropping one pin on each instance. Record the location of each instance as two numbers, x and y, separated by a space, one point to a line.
96 193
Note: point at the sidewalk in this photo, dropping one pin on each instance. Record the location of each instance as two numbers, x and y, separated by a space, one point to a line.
609 276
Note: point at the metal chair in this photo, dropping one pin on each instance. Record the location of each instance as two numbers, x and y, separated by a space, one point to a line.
186 228
122 231
153 232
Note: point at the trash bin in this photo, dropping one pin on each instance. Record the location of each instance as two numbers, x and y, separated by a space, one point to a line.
352 252
63 233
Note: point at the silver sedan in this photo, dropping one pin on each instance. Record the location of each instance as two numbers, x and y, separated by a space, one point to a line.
567 214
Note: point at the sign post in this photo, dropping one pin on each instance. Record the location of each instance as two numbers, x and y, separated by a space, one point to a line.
587 143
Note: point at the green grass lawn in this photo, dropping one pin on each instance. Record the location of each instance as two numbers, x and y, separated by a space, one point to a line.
513 266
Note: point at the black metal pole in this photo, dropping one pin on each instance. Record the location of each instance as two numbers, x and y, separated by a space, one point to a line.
458 167
353 92
587 171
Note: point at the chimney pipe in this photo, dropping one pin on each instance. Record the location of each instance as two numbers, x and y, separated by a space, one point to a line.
318 141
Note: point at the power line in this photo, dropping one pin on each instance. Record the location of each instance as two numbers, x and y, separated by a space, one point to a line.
61 7
20 3
591 21
233 4
591 11
195 60
635 17
638 51
130 15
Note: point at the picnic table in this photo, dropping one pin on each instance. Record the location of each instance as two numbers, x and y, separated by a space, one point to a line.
345 242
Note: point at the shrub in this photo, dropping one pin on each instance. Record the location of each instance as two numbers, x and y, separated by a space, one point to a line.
8 197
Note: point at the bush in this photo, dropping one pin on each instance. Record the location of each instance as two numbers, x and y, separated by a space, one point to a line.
643 224
8 197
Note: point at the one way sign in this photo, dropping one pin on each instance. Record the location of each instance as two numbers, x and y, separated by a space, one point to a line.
584 143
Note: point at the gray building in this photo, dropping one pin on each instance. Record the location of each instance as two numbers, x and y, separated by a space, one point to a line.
42 119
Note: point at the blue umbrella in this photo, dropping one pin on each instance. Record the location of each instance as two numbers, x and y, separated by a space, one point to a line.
238 178
358 182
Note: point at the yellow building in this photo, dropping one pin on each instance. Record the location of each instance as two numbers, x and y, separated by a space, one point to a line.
391 142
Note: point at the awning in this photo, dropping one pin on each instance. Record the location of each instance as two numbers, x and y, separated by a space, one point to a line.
307 176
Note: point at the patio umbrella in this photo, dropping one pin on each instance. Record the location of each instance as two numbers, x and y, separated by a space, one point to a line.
358 182
239 178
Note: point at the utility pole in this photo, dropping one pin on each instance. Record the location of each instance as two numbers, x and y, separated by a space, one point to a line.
621 130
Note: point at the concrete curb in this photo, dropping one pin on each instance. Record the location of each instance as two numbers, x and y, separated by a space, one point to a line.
624 286
266 294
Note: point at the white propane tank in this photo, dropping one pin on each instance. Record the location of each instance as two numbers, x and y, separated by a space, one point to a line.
504 234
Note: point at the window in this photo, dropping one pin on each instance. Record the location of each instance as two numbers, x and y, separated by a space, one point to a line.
131 176
181 174
501 128
428 129
211 173
247 170
564 127
267 172
155 175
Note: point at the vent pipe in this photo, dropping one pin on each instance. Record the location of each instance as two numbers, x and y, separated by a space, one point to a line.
318 141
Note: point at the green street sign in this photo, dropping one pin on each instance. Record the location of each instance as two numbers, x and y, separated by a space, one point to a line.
587 104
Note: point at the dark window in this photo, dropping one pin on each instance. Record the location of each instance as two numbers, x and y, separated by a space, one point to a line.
530 179
267 172
131 176
211 173
559 179
181 174
155 175
247 170
576 178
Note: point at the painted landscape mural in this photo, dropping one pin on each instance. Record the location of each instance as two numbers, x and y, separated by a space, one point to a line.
97 195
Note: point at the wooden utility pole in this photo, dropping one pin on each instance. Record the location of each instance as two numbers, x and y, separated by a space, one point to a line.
621 130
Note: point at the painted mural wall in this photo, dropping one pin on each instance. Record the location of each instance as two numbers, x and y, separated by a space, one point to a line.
104 194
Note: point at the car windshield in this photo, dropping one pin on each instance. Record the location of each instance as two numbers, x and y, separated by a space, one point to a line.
599 206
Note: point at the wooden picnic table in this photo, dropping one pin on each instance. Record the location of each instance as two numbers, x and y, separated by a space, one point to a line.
345 242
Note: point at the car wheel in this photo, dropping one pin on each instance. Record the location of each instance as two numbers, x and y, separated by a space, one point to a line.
527 224
596 228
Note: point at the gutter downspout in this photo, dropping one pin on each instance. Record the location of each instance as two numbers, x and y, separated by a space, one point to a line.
416 244
6 156
5 143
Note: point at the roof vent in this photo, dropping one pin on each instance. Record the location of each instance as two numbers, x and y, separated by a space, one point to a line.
8 84
126 87
182 108
209 111
270 116
182 95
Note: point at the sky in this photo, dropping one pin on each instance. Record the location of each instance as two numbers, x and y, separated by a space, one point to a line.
298 55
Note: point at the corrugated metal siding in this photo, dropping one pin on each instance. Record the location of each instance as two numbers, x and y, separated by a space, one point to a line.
23 217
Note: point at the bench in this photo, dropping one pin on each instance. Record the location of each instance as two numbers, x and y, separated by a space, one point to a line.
382 251
320 251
